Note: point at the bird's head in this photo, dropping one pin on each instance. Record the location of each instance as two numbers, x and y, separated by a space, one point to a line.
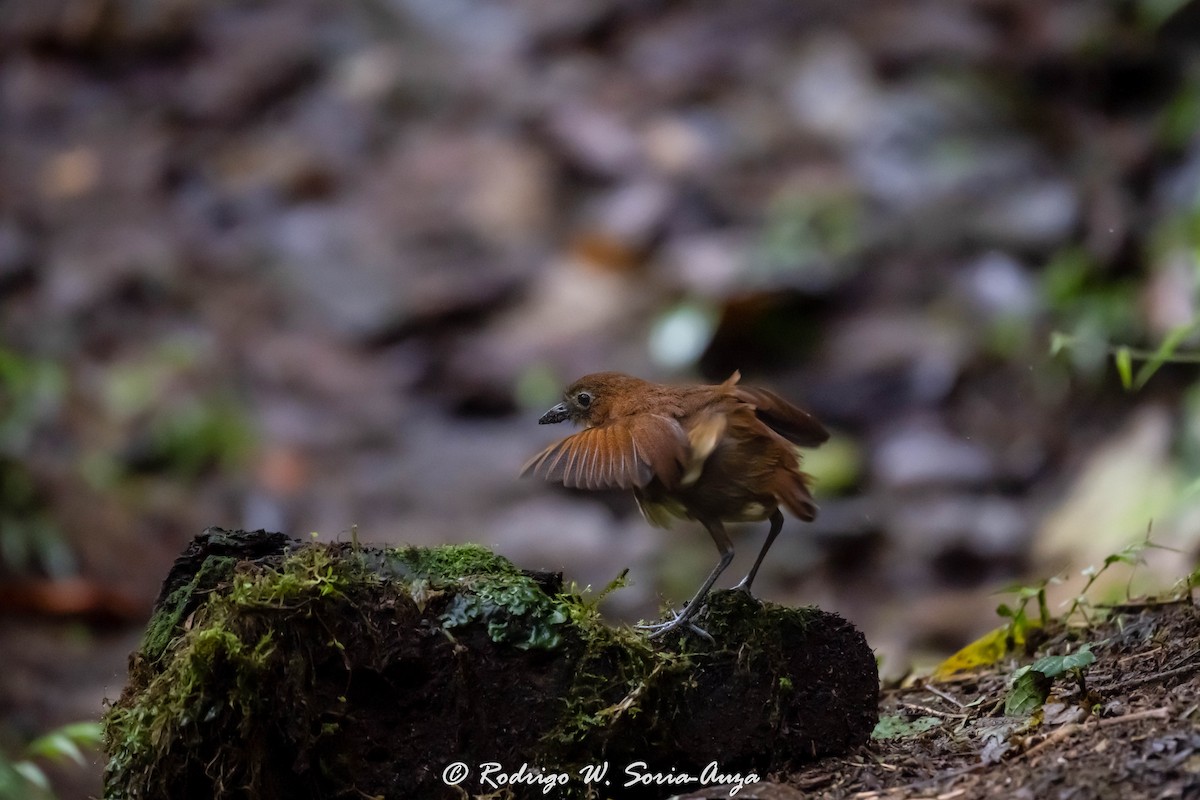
595 399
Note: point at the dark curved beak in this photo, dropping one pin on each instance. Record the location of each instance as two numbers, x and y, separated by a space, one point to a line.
556 414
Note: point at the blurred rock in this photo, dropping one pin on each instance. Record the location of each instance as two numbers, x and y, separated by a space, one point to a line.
254 54
920 452
999 287
118 25
478 30
566 319
688 144
1169 298
933 144
630 215
1035 214
929 30
350 271
833 93
983 529
713 264
928 353
17 254
511 204
595 140
89 266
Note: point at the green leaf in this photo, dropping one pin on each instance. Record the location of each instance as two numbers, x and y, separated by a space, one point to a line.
895 726
1165 351
56 746
1060 341
1053 666
1030 684
1124 361
1029 691
33 774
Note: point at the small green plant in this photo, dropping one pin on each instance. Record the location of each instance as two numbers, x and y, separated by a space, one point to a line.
1124 356
1030 685
1019 623
1002 642
1008 638
23 778
1131 554
31 392
583 605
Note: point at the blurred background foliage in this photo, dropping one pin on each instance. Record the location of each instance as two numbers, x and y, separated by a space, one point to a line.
306 265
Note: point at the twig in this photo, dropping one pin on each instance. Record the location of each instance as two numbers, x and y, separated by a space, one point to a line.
1142 605
906 788
932 711
1072 728
1149 713
1136 656
1133 683
944 695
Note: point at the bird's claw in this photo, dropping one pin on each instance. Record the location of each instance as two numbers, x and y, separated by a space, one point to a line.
678 618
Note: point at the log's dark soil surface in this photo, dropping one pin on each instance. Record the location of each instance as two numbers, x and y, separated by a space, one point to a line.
1129 727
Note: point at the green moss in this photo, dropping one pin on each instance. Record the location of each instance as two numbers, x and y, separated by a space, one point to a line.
450 562
214 675
171 613
620 680
515 610
512 606
208 650
310 573
203 682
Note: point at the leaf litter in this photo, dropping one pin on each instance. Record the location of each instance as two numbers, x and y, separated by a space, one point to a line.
1108 709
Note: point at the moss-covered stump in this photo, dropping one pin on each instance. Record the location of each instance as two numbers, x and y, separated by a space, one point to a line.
274 669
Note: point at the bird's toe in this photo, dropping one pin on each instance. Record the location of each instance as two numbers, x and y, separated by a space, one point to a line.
678 619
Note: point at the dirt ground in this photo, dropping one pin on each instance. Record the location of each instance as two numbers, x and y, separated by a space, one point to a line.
1129 731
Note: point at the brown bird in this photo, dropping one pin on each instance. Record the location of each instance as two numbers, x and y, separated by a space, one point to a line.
714 454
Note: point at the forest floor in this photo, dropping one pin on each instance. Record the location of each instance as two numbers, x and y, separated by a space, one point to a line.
1124 727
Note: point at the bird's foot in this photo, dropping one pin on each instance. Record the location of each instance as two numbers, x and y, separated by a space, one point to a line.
678 619
744 586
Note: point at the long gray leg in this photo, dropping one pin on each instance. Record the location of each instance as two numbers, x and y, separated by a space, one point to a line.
776 527
717 531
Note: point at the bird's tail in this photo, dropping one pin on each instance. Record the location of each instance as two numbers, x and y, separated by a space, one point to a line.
791 489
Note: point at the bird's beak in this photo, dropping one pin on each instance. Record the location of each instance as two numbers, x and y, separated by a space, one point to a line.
556 414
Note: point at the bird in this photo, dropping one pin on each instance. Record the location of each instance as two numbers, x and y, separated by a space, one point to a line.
711 453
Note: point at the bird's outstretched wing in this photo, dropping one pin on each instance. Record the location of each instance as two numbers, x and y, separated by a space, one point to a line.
624 454
794 424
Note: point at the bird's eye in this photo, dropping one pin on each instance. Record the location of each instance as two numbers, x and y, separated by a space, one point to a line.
584 399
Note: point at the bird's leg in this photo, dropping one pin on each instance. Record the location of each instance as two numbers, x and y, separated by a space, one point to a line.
717 531
776 527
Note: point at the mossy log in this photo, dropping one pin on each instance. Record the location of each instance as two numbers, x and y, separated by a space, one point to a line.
274 669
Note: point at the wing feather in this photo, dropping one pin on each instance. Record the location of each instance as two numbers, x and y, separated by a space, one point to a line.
794 424
627 453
